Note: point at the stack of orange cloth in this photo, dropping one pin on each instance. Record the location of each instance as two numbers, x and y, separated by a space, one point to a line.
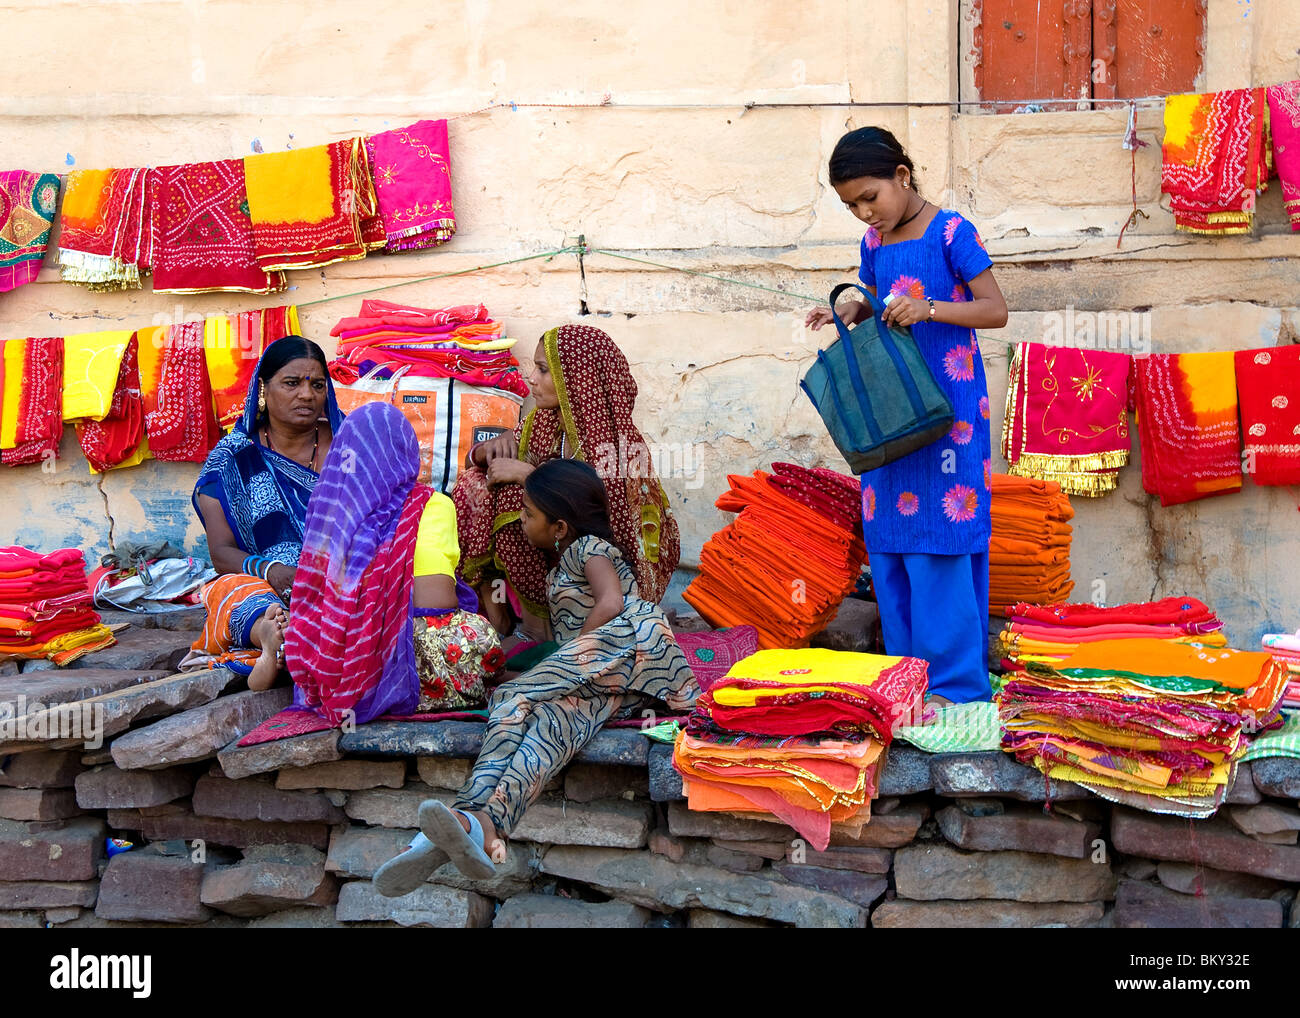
1029 551
792 554
799 735
46 610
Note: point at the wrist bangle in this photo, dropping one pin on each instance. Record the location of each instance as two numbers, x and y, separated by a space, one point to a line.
931 300
250 565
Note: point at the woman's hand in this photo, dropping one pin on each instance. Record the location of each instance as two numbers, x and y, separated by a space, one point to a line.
851 312
504 446
818 317
906 311
280 578
507 471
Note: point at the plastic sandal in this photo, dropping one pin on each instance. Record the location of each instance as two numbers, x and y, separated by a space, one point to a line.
410 868
440 826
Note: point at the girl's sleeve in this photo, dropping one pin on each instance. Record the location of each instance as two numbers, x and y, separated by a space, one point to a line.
966 251
867 270
436 549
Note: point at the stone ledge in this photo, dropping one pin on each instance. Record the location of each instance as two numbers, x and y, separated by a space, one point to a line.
625 746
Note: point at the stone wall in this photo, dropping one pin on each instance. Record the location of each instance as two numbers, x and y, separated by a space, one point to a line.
679 171
290 833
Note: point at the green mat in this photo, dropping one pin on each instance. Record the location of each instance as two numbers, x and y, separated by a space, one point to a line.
1284 741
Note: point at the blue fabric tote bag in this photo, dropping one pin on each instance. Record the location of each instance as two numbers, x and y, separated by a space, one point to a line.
874 391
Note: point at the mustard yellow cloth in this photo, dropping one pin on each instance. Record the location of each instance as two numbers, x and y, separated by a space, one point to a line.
437 552
90 364
808 670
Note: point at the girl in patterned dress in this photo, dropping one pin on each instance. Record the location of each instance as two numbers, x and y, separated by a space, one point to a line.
616 652
925 516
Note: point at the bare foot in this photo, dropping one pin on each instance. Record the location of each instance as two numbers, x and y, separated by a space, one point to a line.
268 633
493 845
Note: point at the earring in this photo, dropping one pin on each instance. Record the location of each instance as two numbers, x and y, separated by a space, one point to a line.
906 184
557 545
261 397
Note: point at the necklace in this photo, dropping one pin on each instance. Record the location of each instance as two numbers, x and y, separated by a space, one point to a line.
924 203
311 464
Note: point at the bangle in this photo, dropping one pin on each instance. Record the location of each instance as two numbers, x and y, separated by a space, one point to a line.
931 300
250 565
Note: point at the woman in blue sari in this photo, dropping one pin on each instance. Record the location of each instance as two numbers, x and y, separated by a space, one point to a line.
251 497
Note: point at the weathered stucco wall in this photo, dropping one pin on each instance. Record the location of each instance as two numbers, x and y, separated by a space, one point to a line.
679 171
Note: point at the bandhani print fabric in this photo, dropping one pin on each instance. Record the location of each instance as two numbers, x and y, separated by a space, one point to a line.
111 441
307 205
232 347
31 418
28 202
1187 425
1284 126
1215 159
1268 386
1067 416
106 228
205 234
412 173
182 427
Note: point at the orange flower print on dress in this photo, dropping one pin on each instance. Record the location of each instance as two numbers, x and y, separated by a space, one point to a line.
868 503
962 432
908 286
984 407
872 238
958 294
960 503
950 229
908 503
959 364
980 240
988 475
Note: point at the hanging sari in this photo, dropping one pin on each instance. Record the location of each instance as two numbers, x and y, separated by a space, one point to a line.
593 423
27 204
31 421
262 493
350 645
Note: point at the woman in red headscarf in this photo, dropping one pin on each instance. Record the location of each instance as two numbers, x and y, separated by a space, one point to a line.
584 395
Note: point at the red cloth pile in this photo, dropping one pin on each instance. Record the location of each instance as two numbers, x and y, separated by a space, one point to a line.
46 610
1029 551
790 557
456 342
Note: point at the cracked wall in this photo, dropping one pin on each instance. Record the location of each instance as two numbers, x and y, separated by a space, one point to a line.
707 185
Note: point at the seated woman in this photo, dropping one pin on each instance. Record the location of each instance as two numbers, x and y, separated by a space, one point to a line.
377 544
584 394
252 496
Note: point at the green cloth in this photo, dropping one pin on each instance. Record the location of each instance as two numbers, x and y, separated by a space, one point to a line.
961 728
531 657
665 731
1284 741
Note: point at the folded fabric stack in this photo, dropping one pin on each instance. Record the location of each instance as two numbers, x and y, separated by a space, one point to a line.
1066 416
1046 634
1149 723
1029 551
46 610
1216 157
106 234
799 735
1187 425
1285 648
792 554
457 342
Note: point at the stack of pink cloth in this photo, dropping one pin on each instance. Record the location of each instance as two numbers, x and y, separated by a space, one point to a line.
1285 647
455 342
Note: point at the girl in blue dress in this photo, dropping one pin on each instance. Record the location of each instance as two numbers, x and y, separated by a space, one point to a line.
925 517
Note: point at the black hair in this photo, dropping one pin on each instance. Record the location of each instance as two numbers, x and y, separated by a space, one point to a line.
286 349
572 491
868 152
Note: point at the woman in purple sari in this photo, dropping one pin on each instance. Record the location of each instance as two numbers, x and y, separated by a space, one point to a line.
377 544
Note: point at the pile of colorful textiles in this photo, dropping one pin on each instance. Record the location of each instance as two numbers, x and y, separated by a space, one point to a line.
457 342
27 205
1187 425
1046 634
1285 648
1216 158
236 224
792 554
1284 126
1066 416
46 610
799 735
1029 550
1152 723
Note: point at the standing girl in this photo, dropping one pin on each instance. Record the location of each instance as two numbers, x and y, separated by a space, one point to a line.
926 516
616 651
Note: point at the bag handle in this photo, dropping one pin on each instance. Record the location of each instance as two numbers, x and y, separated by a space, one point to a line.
886 340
